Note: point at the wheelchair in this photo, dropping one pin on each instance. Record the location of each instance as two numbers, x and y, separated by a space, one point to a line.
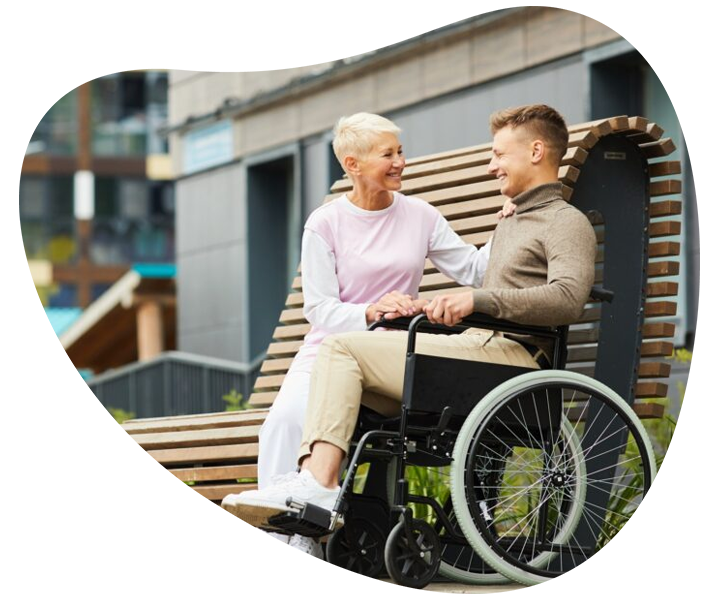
530 472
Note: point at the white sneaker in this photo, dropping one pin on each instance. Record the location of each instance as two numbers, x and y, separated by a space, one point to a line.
281 537
231 502
302 558
260 562
256 506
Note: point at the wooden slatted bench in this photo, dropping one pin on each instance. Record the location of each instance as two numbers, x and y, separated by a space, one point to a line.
217 453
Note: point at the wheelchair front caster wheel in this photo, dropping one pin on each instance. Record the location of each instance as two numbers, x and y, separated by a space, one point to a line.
357 547
412 560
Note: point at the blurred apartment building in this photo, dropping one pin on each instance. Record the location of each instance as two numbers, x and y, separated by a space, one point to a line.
251 158
96 194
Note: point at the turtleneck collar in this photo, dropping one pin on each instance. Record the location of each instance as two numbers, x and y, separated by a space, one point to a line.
537 195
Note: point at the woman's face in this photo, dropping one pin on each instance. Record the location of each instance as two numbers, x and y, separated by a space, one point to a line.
382 167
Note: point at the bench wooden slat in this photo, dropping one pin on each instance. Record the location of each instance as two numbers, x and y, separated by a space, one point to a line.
658 330
196 474
663 268
665 187
649 410
662 147
664 228
185 493
664 169
276 365
658 249
198 422
651 389
262 399
652 133
653 369
292 315
665 208
662 288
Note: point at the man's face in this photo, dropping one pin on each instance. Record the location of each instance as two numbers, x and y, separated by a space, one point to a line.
511 163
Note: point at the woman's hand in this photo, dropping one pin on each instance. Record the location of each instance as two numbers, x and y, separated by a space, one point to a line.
507 210
392 305
418 305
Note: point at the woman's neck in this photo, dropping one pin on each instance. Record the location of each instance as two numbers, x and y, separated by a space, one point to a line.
370 200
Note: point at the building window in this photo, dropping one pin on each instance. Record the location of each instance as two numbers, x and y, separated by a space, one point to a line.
47 221
48 110
127 109
134 221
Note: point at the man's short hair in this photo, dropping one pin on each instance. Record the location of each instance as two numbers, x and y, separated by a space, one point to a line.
355 135
540 120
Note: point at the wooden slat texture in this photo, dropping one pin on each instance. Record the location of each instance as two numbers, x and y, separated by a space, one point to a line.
658 330
662 288
663 268
224 473
648 410
262 399
658 149
197 422
654 369
651 389
664 169
666 187
665 208
218 492
664 228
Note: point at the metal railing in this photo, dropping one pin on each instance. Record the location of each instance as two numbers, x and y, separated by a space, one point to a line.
174 383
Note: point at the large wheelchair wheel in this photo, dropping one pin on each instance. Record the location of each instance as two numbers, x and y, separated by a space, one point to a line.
577 464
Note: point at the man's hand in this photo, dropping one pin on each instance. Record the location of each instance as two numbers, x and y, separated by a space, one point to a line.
507 210
449 309
394 303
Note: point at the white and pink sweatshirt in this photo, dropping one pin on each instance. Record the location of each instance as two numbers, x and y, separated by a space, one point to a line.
351 257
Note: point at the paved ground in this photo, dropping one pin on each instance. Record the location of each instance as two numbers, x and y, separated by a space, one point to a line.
386 586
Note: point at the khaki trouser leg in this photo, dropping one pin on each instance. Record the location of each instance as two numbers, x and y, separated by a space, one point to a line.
368 367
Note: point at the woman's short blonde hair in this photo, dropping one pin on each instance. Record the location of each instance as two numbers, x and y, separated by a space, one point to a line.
355 135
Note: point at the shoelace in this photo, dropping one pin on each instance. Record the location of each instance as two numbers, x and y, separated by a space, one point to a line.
298 549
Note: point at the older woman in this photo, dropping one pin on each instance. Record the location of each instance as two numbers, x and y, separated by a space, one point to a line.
363 256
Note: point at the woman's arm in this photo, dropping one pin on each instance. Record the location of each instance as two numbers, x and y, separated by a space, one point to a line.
321 290
458 260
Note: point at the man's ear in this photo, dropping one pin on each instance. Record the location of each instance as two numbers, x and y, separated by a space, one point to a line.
538 151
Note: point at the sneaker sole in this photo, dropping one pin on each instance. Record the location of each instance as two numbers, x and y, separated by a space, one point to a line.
255 515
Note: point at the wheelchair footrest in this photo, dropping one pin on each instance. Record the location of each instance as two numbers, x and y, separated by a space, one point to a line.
310 521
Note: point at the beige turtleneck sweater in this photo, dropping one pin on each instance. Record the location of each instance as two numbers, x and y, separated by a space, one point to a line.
542 262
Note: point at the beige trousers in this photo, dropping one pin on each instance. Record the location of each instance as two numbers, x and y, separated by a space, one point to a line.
368 368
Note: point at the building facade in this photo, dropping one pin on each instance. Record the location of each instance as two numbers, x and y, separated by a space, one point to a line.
96 191
252 156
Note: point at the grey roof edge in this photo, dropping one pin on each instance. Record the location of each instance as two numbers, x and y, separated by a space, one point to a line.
340 69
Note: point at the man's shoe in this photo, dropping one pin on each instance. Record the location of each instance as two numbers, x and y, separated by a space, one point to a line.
260 562
256 506
302 558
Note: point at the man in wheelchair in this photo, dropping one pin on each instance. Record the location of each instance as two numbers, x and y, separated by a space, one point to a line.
540 273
